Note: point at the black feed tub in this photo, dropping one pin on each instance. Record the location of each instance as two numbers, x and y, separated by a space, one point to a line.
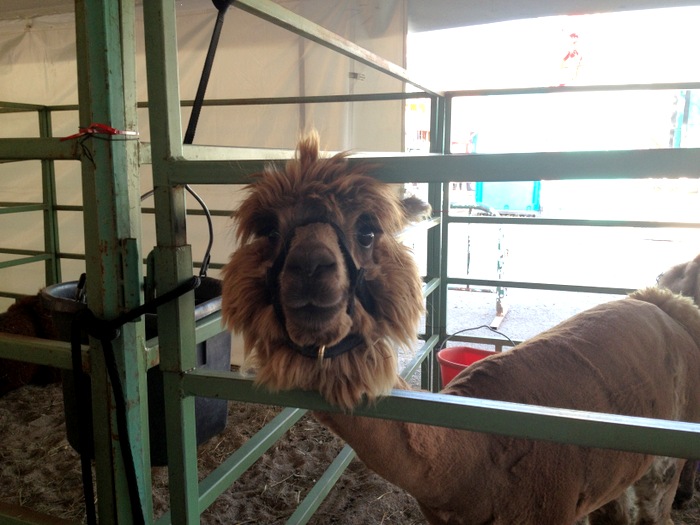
213 354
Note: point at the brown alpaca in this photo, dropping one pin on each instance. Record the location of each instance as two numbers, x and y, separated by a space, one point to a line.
322 291
684 279
26 317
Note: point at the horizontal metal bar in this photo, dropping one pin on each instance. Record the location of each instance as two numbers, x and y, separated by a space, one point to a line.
420 227
17 251
194 212
18 515
541 286
208 327
318 99
71 256
205 328
19 207
532 90
571 89
21 106
541 221
622 164
192 152
25 260
39 351
39 149
588 429
399 168
63 107
430 286
274 13
12 295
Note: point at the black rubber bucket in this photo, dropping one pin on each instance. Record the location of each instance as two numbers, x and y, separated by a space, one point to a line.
212 354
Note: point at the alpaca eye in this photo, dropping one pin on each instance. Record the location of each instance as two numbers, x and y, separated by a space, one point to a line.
271 234
365 236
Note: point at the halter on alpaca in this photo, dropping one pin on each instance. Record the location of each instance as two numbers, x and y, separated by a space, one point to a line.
358 288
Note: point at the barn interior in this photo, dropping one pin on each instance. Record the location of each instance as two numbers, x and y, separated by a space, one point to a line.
559 155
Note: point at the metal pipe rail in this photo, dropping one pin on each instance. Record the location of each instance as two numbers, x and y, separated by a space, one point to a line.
587 429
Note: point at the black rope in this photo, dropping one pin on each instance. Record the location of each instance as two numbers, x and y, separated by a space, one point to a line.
106 331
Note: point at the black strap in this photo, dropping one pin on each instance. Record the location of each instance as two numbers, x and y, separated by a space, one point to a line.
321 352
358 289
106 332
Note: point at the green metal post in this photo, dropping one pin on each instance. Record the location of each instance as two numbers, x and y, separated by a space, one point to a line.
48 185
110 178
437 245
172 257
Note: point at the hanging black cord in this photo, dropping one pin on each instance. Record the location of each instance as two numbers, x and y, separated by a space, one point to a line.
222 6
450 336
207 254
85 445
106 332
210 226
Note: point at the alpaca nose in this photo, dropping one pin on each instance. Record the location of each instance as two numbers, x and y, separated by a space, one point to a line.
309 262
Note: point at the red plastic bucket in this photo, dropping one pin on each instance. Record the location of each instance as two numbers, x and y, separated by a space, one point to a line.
456 358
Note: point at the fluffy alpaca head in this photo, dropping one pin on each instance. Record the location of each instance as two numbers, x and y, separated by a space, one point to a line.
320 287
683 279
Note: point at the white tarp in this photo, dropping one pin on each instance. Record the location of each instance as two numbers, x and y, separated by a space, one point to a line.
254 59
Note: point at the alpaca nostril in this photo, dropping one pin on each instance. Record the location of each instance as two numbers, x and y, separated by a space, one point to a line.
310 263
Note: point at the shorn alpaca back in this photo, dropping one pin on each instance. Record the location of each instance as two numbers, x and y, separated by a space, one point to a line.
637 356
323 292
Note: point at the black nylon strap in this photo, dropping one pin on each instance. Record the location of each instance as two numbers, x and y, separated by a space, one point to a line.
358 289
106 332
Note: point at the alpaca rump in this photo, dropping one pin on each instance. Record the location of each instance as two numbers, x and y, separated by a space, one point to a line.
25 317
319 272
322 292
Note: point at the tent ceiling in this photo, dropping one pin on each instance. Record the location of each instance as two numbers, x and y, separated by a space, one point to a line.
423 15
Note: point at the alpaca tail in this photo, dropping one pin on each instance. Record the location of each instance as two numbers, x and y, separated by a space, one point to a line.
679 307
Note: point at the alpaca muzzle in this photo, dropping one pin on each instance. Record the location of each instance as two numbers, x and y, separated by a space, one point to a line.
357 288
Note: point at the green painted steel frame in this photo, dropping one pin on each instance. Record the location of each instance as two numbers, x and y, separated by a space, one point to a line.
112 254
110 181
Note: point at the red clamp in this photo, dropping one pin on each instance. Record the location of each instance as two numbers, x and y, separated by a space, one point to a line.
99 129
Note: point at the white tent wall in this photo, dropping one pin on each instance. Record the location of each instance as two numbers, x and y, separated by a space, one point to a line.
255 59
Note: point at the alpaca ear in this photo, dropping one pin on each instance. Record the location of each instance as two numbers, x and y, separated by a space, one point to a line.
415 209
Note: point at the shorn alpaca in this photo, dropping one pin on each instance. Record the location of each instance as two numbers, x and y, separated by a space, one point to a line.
684 278
322 292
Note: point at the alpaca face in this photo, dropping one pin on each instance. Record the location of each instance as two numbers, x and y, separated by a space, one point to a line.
320 288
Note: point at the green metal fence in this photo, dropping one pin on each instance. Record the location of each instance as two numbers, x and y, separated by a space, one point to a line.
114 257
